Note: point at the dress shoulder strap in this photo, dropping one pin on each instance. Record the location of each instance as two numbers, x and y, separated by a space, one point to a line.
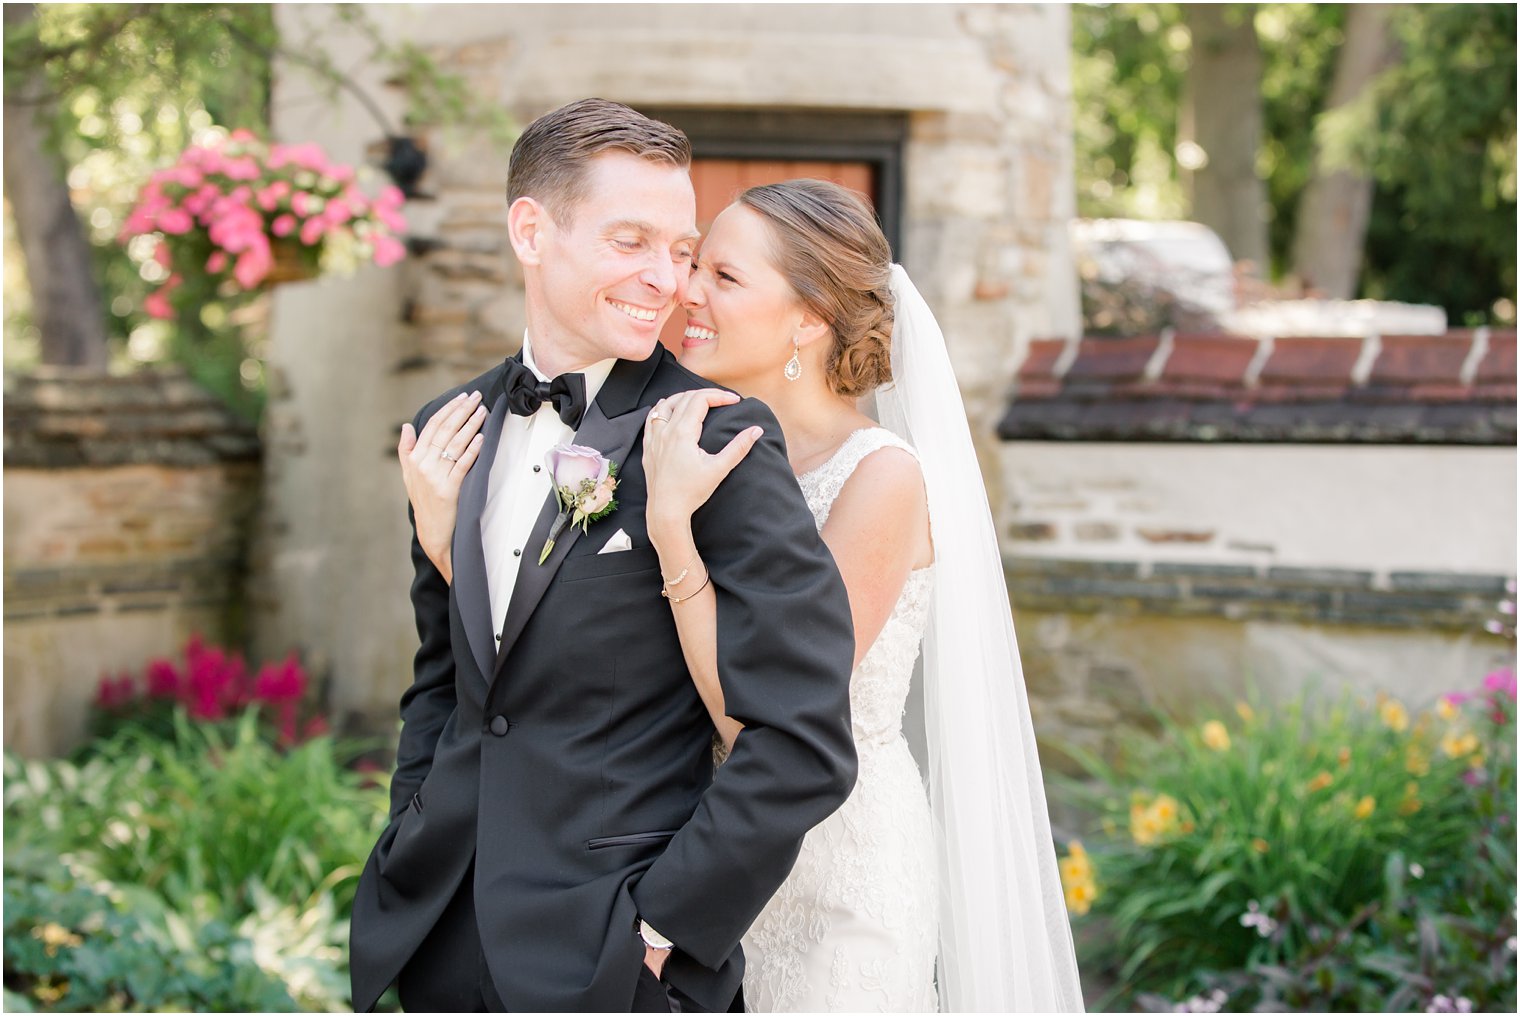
821 486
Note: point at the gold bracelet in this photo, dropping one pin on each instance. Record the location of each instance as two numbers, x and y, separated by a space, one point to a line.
677 580
682 599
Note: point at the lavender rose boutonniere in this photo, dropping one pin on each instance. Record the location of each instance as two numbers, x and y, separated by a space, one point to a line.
583 481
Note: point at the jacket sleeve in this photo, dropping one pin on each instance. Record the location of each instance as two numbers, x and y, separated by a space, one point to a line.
428 703
785 647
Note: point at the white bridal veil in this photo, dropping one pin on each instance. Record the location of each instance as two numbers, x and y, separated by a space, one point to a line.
1005 940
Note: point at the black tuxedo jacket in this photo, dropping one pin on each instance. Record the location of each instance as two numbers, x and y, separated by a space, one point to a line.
573 762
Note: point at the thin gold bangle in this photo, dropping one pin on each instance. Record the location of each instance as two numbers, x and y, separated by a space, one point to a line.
682 599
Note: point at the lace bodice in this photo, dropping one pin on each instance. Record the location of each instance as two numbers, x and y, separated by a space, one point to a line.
879 686
853 928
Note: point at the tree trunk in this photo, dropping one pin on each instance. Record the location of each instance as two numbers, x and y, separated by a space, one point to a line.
1331 228
1222 115
66 305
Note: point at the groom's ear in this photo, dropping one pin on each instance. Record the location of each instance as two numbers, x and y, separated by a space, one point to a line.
526 224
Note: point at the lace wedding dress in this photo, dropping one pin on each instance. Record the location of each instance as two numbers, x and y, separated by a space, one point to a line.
854 927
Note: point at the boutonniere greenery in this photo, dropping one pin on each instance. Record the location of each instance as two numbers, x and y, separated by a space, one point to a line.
584 480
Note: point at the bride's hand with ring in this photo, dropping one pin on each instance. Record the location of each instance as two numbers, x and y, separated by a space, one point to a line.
679 475
433 465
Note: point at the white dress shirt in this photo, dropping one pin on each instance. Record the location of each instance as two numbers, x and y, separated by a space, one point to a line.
519 484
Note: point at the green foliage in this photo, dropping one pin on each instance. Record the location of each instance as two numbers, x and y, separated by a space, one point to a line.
1299 45
1129 66
1437 133
203 812
1301 857
211 860
81 945
131 85
1443 223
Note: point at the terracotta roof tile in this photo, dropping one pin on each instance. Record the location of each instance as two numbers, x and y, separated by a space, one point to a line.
1420 359
1113 359
1325 362
1221 359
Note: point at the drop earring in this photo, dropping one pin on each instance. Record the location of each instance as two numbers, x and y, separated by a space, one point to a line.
793 369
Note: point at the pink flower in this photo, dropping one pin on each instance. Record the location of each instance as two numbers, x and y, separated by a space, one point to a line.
572 464
337 212
312 230
253 264
393 220
162 256
390 197
244 168
1473 777
388 250
217 262
1502 681
268 199
242 134
283 225
175 221
300 203
157 305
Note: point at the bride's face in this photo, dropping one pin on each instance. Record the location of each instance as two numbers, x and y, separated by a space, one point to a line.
741 312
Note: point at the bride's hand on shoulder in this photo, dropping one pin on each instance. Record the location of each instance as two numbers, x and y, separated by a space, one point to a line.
679 475
433 465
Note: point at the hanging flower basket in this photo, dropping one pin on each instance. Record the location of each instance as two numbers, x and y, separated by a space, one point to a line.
290 264
237 215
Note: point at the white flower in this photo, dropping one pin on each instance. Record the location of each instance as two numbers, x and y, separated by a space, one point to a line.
1254 918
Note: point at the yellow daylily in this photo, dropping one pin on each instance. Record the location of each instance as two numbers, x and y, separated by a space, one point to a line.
1215 736
1394 716
1457 744
1321 780
1446 709
1364 807
1245 712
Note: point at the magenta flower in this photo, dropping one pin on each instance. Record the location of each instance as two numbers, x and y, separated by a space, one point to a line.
283 225
1501 681
162 680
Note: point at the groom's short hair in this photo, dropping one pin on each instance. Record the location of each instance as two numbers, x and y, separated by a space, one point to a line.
550 158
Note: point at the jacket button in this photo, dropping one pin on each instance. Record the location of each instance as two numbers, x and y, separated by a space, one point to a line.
499 725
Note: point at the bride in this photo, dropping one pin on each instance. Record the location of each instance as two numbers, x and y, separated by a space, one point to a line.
901 900
794 301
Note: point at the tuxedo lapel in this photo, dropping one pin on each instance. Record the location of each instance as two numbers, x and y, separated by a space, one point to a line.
470 588
611 425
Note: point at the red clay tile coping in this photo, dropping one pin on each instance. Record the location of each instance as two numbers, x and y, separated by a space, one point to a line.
1462 365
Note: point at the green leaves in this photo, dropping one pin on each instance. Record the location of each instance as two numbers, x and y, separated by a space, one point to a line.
1304 857
206 871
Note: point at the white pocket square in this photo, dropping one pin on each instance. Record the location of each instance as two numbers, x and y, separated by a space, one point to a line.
619 541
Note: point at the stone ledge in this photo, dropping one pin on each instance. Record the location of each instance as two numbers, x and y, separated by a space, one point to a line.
57 418
1446 601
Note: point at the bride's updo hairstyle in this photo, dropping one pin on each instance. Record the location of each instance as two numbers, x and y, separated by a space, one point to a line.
828 246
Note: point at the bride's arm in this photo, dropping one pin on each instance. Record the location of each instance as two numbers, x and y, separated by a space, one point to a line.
680 477
878 532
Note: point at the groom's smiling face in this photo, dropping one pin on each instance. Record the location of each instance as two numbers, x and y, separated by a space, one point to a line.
613 265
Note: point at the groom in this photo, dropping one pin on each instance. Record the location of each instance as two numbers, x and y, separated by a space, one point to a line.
558 838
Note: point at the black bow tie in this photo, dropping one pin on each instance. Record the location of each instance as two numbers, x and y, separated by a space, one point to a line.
525 393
